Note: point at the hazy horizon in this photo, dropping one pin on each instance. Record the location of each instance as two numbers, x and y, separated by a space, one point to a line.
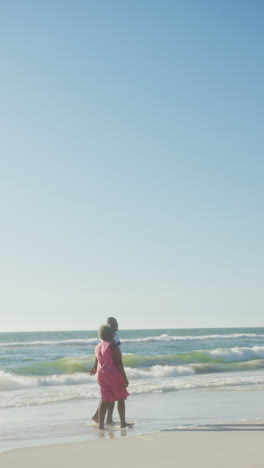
131 329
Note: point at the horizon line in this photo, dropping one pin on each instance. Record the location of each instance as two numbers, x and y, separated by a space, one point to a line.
128 329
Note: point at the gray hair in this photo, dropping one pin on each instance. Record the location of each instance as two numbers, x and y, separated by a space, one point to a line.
110 321
105 333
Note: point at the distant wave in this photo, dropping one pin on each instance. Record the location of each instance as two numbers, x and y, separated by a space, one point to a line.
161 338
17 344
168 338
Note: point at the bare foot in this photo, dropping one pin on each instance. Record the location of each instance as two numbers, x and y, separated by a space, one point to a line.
127 425
94 419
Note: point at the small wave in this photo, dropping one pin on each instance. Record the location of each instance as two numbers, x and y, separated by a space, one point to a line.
218 367
159 371
196 383
67 365
37 397
10 381
217 355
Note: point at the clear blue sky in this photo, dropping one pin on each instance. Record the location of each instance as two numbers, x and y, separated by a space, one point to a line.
131 173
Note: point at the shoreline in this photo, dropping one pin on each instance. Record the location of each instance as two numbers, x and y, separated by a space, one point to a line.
236 445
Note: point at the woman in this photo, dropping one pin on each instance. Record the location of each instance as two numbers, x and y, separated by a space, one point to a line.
111 375
112 322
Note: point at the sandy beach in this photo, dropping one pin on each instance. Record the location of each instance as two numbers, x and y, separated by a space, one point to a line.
232 445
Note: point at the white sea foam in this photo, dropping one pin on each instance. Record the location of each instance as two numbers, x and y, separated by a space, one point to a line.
159 371
41 396
215 383
236 353
10 381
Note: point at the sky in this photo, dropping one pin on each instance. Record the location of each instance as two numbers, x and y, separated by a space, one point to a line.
131 164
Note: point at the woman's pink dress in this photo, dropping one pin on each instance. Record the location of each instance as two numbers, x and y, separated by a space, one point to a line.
112 384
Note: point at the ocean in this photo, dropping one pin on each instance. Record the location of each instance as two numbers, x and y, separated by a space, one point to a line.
177 377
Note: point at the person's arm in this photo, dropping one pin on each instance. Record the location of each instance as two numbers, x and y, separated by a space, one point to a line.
118 361
94 368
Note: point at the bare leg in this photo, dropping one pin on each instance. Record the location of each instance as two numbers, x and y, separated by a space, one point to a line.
95 417
122 414
109 419
102 410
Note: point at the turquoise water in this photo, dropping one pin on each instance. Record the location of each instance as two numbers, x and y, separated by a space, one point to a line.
177 376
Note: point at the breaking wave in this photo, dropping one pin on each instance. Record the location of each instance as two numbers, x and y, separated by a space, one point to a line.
88 389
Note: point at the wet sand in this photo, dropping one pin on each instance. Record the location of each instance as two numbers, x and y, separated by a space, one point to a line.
231 445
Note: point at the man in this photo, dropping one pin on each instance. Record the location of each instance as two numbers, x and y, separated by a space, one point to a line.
112 322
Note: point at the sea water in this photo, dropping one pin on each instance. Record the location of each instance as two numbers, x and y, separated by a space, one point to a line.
177 377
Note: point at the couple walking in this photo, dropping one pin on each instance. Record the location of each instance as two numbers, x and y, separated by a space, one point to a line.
111 375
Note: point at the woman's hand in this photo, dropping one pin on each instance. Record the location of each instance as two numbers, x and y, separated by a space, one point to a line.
93 370
127 382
